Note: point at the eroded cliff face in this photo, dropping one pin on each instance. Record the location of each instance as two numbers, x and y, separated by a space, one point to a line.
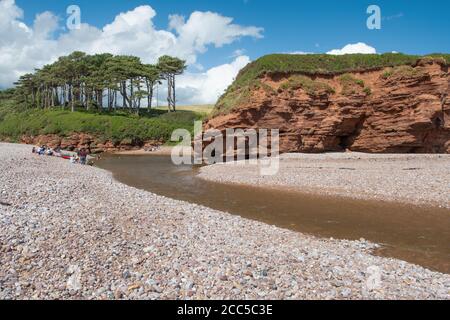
76 141
394 110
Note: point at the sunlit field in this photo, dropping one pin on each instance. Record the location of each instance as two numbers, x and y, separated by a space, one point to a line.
206 109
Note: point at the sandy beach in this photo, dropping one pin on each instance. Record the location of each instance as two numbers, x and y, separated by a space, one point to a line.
407 178
69 232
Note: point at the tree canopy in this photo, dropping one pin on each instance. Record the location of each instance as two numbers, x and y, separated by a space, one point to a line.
101 81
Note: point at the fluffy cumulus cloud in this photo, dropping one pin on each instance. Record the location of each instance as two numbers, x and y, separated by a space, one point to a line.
206 87
23 47
359 47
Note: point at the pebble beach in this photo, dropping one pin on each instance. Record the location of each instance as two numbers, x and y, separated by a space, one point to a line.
420 179
72 232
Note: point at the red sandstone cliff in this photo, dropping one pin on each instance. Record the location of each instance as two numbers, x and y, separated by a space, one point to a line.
77 141
403 109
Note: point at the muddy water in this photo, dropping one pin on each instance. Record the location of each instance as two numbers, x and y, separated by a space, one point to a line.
414 234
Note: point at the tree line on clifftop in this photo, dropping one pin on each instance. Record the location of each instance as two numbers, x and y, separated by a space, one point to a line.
97 82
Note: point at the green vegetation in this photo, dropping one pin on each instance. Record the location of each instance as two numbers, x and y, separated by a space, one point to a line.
169 67
100 95
402 72
367 91
235 96
444 56
90 81
387 74
313 64
311 87
348 79
309 65
352 85
257 85
114 126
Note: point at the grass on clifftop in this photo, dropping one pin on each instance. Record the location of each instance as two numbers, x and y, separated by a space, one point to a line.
310 64
115 127
310 86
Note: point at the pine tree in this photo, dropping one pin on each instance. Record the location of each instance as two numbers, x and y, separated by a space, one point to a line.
169 68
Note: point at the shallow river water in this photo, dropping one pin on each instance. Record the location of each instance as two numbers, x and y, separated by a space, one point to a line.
411 233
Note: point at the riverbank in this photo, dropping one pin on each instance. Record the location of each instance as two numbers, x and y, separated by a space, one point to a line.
69 231
406 178
158 151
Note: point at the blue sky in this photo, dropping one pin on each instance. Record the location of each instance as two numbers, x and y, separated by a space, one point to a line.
408 26
258 28
411 26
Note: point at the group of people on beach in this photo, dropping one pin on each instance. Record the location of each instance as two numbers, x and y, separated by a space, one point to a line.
46 151
79 157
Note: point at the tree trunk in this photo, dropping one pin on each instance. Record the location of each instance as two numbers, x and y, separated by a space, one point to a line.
171 93
125 100
174 95
133 103
72 99
52 97
63 93
149 95
109 99
100 99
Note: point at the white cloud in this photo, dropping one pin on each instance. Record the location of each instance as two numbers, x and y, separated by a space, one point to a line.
205 88
44 25
23 48
359 47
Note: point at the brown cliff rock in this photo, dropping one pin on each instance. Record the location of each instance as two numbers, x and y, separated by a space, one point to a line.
77 141
393 110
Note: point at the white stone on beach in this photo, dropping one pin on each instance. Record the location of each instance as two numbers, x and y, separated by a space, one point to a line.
74 281
100 239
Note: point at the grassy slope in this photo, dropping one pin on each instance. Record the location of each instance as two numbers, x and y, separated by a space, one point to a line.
310 64
115 127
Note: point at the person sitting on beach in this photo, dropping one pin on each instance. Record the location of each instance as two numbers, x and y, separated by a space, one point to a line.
41 150
33 150
82 154
49 152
